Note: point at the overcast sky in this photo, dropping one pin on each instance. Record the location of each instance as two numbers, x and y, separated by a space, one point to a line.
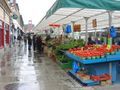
34 10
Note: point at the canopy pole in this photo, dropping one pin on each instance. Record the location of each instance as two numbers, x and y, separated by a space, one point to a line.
110 24
63 27
72 28
86 29
95 32
110 19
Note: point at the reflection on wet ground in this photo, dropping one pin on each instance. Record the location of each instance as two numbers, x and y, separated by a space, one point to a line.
21 69
26 86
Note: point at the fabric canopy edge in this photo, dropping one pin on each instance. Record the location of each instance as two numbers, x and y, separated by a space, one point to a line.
87 4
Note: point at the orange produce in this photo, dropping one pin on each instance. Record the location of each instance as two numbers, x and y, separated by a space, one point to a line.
93 50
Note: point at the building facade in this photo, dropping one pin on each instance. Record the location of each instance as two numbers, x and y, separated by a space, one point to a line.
17 23
28 28
9 25
5 13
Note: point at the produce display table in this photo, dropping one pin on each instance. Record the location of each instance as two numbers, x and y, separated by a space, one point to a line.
107 58
84 82
108 65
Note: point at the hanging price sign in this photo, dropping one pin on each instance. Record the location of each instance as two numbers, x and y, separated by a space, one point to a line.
94 23
54 25
77 27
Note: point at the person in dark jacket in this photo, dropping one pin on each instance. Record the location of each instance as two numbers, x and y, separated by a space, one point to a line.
25 40
34 42
19 38
90 41
29 42
39 43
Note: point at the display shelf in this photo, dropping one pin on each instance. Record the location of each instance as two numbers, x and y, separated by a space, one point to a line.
115 57
98 66
108 58
83 82
86 61
118 53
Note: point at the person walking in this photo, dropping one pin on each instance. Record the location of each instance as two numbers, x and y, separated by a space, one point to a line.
34 42
19 38
25 40
29 42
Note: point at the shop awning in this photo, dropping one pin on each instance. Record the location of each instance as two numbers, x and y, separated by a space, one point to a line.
65 11
17 24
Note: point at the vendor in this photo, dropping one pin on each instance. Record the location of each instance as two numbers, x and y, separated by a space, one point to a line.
118 41
66 39
90 41
98 41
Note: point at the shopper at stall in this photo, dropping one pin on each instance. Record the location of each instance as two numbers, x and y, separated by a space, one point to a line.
29 42
47 38
39 44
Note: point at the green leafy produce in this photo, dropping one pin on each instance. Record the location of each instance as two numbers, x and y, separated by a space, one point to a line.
71 44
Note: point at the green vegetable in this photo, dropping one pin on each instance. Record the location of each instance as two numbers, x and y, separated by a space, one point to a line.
71 44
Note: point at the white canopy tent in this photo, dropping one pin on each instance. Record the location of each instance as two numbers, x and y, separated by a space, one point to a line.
68 13
77 15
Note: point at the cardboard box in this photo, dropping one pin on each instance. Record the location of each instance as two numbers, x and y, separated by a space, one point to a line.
86 77
103 83
107 82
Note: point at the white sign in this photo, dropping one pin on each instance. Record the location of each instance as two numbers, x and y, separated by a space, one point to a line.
0 24
7 19
1 14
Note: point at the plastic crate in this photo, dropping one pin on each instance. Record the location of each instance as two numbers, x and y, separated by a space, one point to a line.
86 61
115 57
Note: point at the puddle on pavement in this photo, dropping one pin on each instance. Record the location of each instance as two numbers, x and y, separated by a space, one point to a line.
22 86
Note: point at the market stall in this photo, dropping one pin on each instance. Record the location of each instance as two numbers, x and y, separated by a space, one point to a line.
89 15
96 61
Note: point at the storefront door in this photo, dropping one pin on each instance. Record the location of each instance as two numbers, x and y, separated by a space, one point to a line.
1 34
7 34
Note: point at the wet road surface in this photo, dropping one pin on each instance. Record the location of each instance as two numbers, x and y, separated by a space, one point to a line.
21 69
